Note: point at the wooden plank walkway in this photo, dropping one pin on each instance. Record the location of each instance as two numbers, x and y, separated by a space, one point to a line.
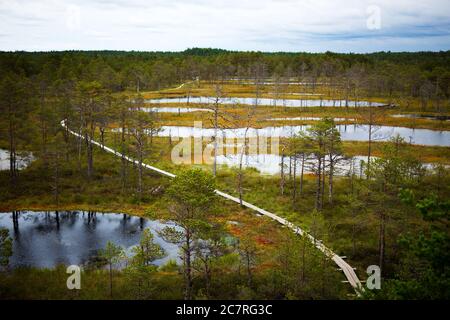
348 271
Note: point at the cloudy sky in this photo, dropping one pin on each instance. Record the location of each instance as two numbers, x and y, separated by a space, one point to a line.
266 25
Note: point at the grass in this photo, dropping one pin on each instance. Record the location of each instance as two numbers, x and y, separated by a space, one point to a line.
50 284
425 154
334 225
264 192
104 193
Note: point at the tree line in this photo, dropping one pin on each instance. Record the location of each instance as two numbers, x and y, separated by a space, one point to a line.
424 75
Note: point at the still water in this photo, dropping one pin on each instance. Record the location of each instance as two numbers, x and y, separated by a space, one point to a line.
271 163
268 102
175 110
309 119
422 116
23 159
348 132
45 239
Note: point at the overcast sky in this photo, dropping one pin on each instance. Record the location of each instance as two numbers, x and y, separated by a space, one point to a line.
266 25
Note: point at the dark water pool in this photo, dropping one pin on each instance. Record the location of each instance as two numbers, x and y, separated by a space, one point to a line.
46 239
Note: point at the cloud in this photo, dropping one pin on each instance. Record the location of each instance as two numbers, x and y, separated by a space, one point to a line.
269 25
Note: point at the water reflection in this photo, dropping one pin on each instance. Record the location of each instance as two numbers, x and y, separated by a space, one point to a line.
422 116
271 164
175 110
269 102
23 160
45 239
348 132
309 119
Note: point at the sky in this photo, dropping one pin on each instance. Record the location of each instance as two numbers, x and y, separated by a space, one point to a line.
257 25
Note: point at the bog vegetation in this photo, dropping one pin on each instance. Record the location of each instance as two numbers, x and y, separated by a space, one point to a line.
392 212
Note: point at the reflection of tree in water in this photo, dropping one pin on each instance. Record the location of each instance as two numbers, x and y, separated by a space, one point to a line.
92 218
39 242
15 217
130 225
68 218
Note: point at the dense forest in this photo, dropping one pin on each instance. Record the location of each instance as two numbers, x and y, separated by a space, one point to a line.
421 74
67 108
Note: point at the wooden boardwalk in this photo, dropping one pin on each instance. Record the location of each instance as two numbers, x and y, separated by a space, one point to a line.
348 271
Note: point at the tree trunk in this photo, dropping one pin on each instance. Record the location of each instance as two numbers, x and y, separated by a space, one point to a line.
303 259
110 280
322 192
188 271
89 155
240 183
301 174
80 146
353 233
102 137
215 139
43 125
319 181
56 180
240 175
249 270
369 148
294 191
207 279
382 241
140 150
282 181
330 181
352 173
124 161
290 168
12 151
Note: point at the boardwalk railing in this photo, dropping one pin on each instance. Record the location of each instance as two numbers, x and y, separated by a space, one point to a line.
348 271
